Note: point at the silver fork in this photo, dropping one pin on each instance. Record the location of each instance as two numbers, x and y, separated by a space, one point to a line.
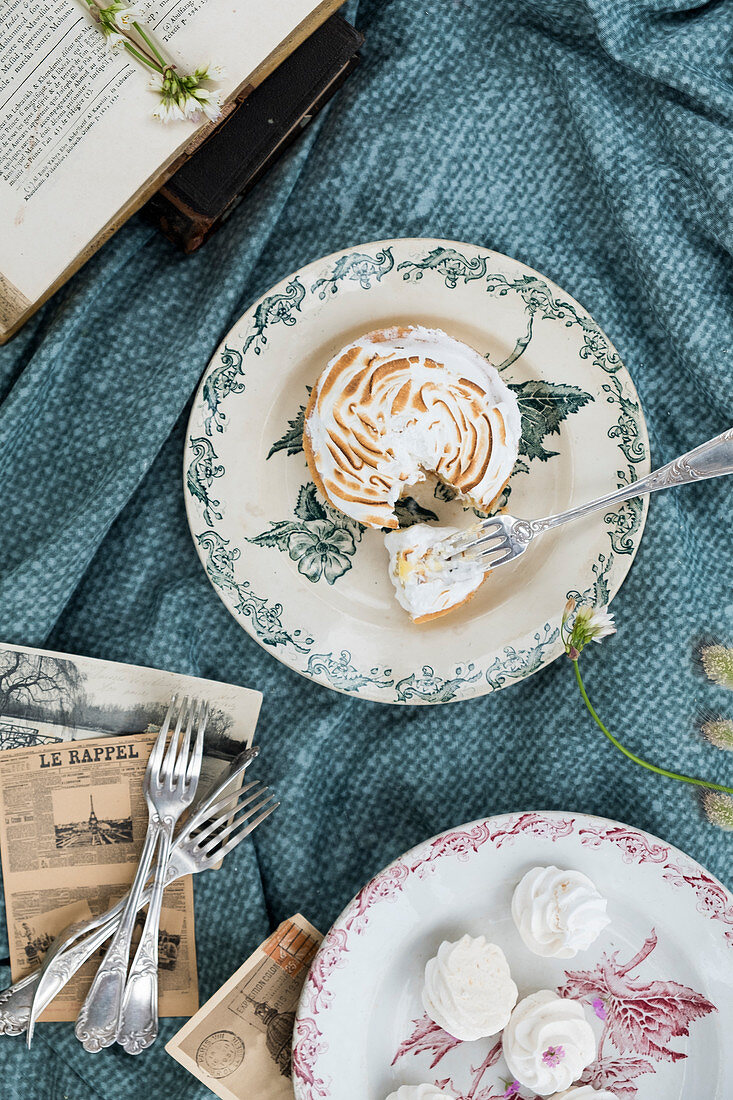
17 997
82 928
218 826
501 539
167 795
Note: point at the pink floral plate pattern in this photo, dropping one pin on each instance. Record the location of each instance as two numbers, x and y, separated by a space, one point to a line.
656 985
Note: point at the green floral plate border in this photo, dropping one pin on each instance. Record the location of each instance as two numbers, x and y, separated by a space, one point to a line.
275 551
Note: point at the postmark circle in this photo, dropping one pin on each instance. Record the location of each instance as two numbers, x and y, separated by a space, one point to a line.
220 1054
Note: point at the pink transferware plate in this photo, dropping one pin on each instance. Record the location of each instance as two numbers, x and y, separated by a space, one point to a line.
656 985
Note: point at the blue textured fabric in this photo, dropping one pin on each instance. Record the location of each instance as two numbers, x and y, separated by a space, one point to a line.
591 139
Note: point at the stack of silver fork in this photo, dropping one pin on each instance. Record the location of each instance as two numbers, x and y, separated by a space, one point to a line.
122 1005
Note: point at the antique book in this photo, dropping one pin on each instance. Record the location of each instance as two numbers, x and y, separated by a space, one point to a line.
79 149
199 196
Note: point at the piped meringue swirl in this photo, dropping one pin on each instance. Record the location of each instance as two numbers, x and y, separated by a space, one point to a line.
468 989
402 402
584 1092
548 1042
419 1092
558 913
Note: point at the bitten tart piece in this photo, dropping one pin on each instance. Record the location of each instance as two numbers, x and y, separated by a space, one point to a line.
399 404
426 584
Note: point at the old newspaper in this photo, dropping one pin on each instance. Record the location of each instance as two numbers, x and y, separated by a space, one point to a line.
72 823
238 1044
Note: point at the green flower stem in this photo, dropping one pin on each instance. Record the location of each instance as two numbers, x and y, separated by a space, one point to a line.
141 57
637 759
140 30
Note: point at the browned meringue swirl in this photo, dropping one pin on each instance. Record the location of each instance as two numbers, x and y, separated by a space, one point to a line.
401 403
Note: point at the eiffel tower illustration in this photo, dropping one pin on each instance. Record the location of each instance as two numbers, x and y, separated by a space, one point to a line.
93 821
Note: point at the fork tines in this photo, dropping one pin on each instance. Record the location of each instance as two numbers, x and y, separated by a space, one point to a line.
482 542
233 818
179 768
476 535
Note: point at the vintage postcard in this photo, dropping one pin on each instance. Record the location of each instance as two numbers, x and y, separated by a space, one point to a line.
49 697
238 1043
73 820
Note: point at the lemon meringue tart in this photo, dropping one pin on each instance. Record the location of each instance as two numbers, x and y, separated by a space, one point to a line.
399 404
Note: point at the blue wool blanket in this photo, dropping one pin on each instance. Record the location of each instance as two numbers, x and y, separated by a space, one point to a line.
591 139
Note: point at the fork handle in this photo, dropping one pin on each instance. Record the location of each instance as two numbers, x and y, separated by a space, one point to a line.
139 1016
98 1020
15 1004
39 988
711 459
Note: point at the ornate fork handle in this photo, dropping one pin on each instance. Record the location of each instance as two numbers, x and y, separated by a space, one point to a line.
98 1020
138 1026
15 1005
711 459
16 1001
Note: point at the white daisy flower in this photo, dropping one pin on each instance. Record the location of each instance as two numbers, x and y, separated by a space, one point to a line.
200 100
597 622
125 17
589 625
168 111
114 41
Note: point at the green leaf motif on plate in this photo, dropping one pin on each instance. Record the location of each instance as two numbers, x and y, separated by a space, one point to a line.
343 675
539 301
292 441
449 263
266 620
408 511
434 689
444 492
626 430
518 663
200 477
598 593
309 505
543 406
222 380
625 519
356 267
275 309
320 539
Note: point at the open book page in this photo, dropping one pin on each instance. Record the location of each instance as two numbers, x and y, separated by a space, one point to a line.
73 819
79 150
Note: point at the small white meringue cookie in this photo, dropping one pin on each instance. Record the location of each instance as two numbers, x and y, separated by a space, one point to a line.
419 1092
558 913
584 1092
468 989
548 1042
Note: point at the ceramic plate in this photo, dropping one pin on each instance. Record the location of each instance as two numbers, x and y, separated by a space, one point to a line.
310 585
655 985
